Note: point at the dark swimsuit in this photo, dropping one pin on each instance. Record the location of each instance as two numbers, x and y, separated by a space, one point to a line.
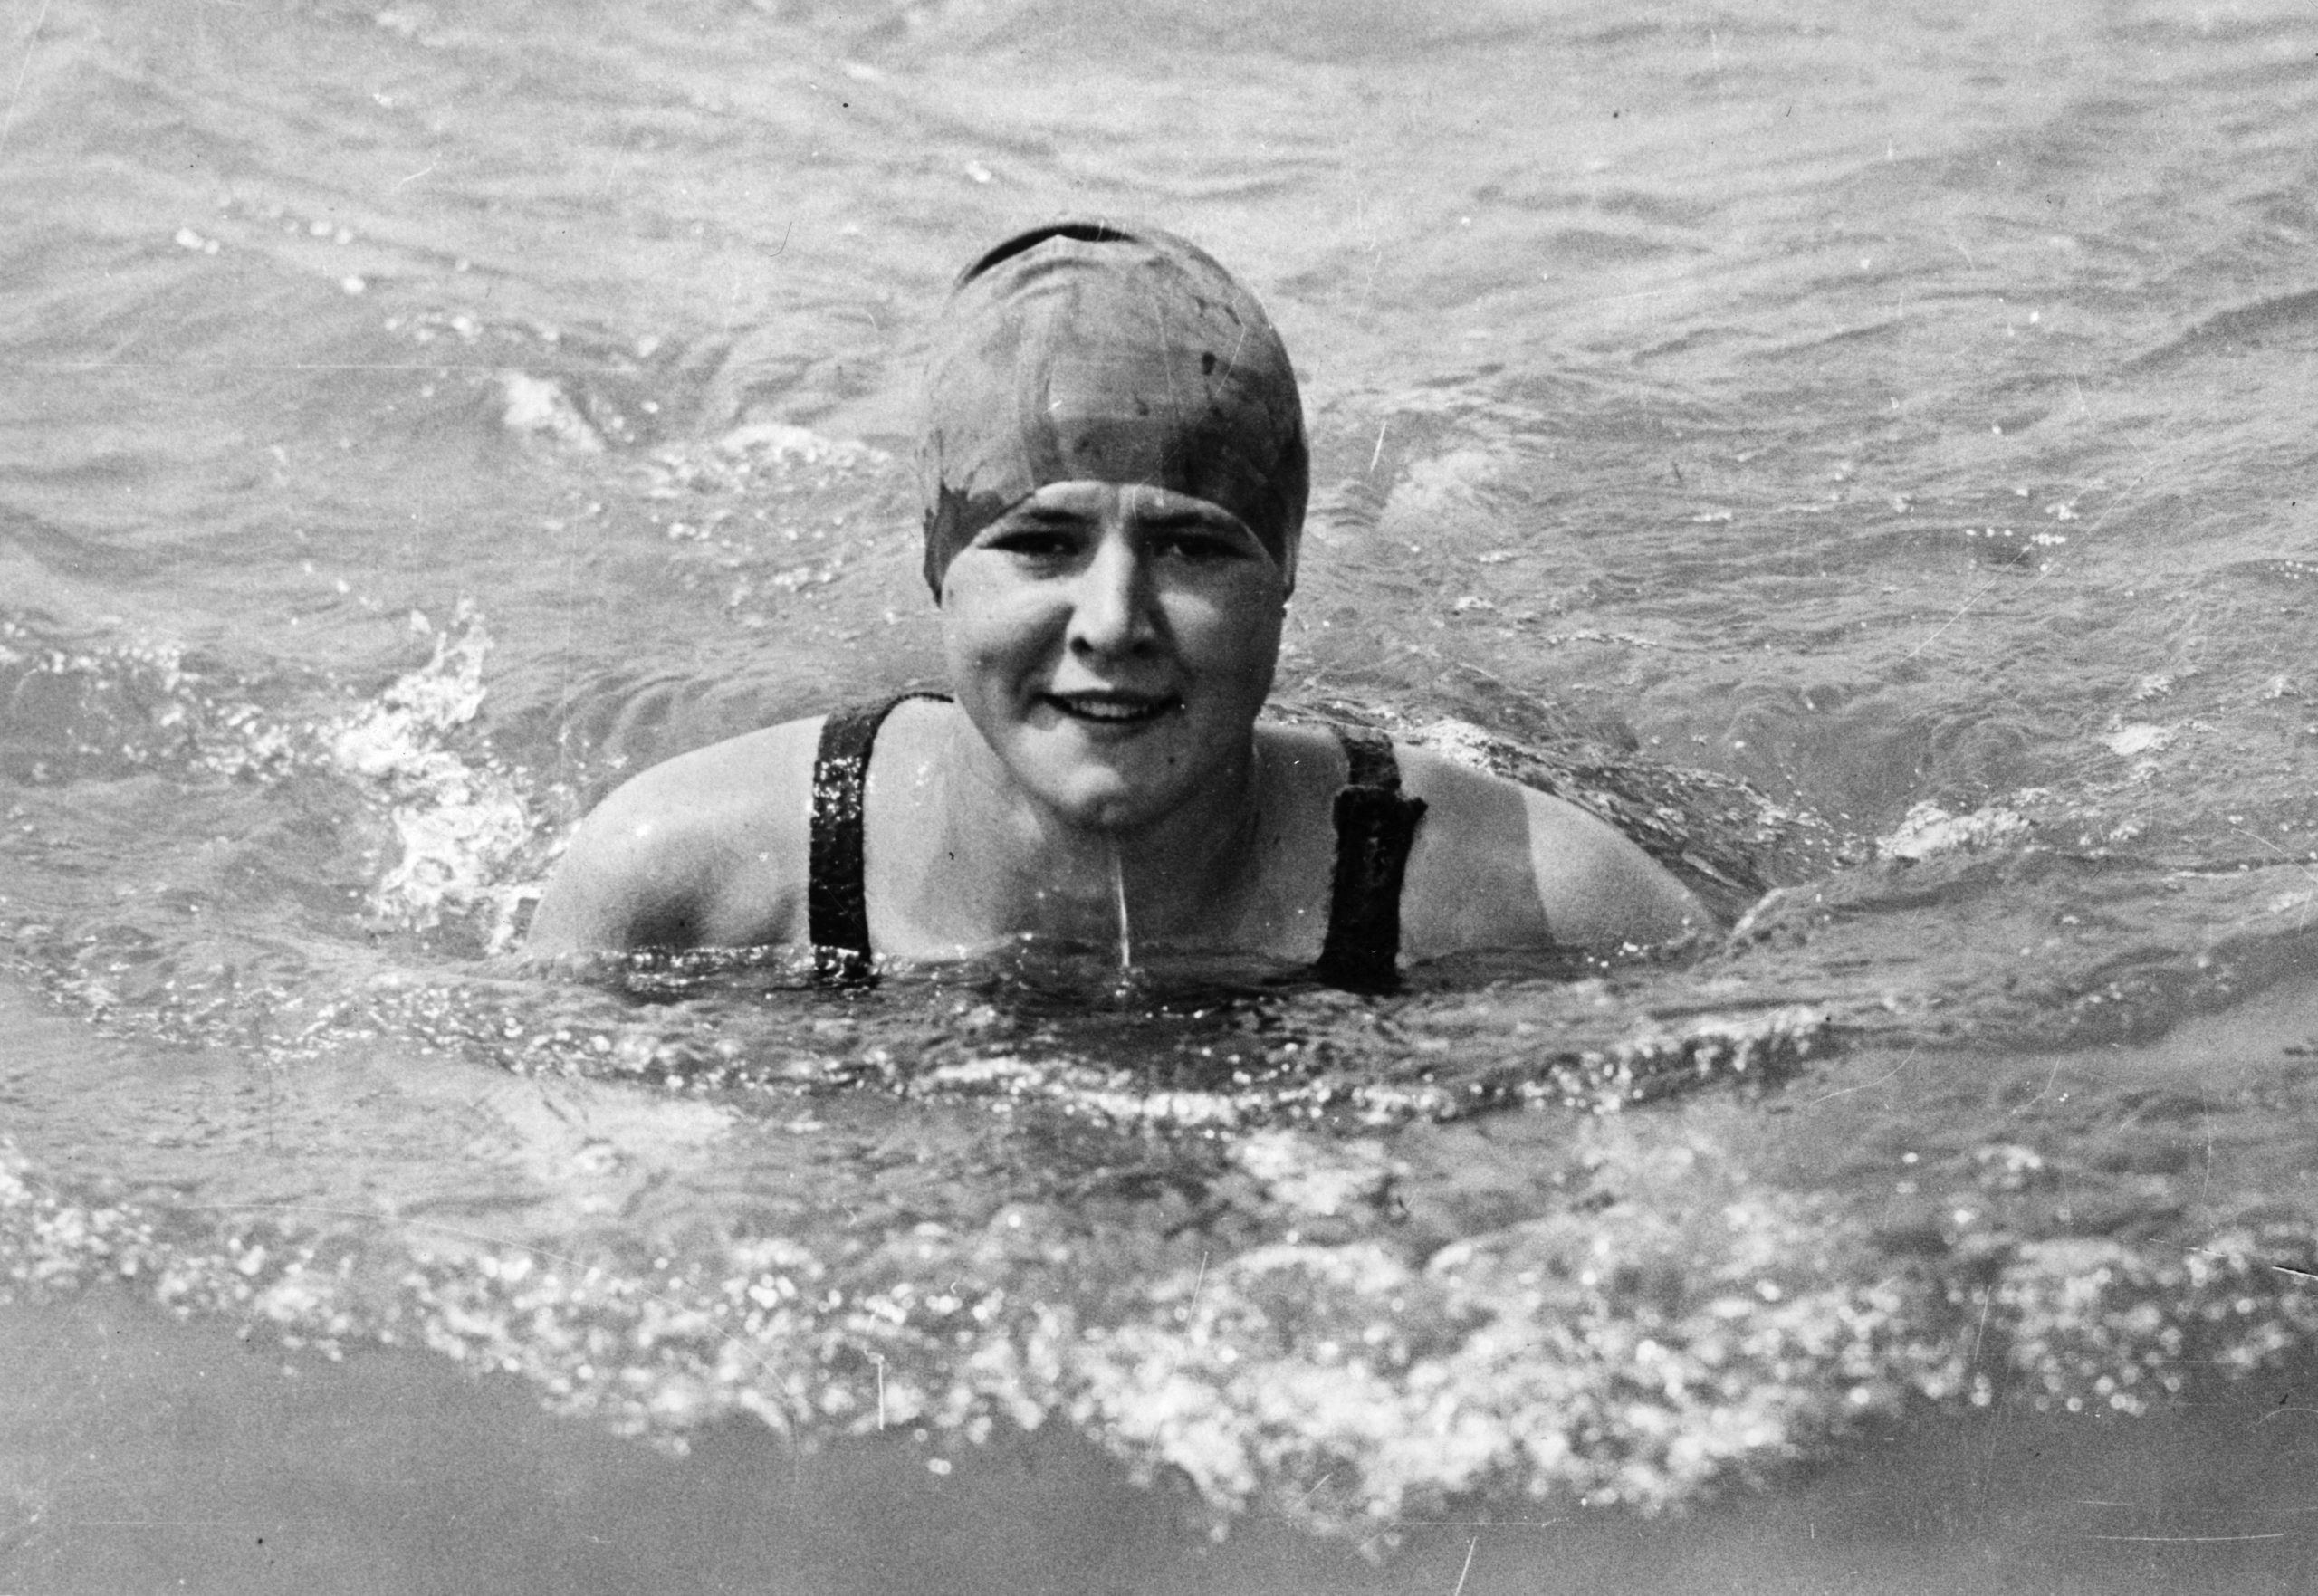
1375 824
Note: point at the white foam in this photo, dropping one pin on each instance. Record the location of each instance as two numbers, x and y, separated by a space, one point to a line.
1929 831
539 407
458 825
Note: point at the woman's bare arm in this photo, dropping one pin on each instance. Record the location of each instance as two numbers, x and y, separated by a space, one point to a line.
1498 864
709 849
1600 889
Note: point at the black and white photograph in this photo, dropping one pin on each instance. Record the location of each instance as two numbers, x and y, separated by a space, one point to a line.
1146 797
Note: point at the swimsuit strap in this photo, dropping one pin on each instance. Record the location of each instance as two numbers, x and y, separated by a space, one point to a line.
1375 825
836 905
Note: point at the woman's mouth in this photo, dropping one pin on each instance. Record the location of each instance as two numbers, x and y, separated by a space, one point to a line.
1113 708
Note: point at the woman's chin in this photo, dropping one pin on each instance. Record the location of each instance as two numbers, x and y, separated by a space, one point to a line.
1110 811
1114 786
1113 803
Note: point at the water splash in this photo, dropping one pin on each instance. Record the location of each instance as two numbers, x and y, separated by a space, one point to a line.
1668 1331
460 825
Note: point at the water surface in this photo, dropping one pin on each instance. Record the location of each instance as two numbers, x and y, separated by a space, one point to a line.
1865 453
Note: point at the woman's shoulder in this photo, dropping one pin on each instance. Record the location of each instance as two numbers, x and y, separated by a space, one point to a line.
742 783
705 849
1496 864
1310 753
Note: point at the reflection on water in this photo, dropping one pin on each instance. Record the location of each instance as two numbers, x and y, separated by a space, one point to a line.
1860 456
178 1454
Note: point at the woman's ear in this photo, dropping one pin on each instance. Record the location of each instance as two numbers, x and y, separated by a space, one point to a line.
1287 551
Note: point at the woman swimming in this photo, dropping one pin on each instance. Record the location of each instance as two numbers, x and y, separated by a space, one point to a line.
1113 474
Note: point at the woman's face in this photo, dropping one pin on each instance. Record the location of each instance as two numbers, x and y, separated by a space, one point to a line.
1114 644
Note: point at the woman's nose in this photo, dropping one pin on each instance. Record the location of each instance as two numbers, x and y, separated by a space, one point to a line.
1114 611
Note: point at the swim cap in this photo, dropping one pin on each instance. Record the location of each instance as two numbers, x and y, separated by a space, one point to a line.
1081 351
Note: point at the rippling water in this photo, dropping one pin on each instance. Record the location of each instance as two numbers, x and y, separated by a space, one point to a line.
1863 450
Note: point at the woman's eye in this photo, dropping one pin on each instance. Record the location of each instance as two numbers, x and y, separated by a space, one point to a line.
1035 543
